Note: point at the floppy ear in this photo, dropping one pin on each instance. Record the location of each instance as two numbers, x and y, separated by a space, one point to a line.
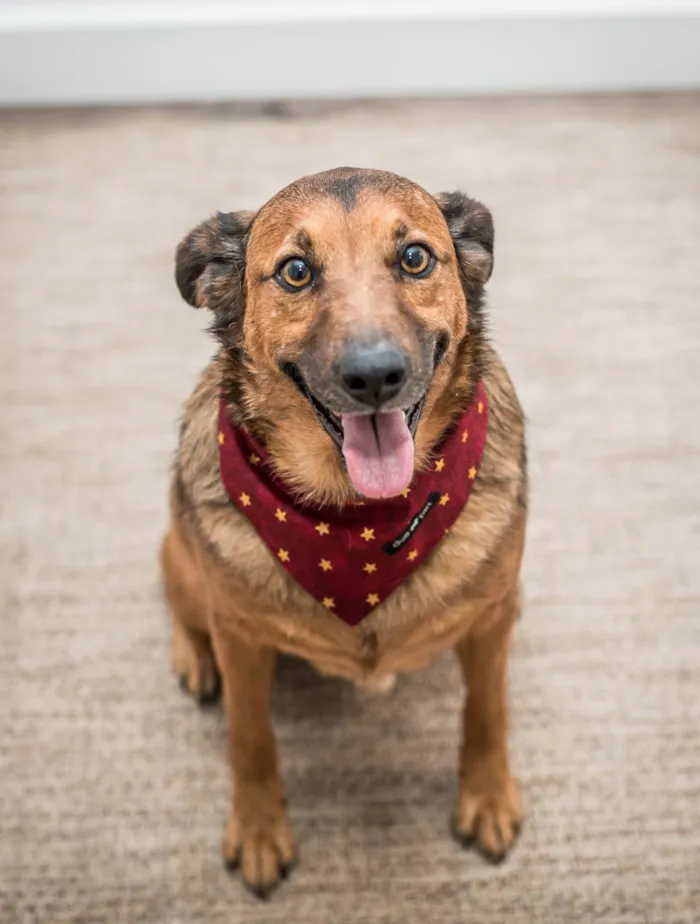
210 265
471 226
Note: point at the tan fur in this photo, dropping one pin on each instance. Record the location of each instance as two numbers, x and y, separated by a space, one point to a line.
228 593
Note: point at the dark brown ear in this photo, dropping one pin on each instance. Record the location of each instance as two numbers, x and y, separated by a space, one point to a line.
210 265
471 227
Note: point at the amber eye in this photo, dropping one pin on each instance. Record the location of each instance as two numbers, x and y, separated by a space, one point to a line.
294 274
417 260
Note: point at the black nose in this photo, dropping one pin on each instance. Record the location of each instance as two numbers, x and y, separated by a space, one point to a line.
373 373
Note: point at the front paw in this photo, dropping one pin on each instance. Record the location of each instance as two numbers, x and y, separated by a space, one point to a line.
489 814
258 840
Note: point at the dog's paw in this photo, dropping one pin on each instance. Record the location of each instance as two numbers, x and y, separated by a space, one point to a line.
258 840
195 667
489 817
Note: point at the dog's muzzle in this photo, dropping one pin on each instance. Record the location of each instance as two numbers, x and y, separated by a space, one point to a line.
368 378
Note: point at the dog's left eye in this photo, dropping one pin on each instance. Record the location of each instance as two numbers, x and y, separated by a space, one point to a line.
417 260
294 274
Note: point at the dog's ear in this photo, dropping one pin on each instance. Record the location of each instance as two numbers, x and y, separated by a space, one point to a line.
471 226
210 264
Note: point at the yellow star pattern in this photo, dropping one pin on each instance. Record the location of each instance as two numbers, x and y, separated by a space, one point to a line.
254 459
328 602
439 465
283 555
221 438
367 534
372 599
472 473
370 567
480 407
406 492
325 564
444 500
245 499
281 515
412 556
322 529
465 436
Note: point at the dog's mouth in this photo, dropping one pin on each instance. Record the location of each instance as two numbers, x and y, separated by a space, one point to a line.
377 447
332 423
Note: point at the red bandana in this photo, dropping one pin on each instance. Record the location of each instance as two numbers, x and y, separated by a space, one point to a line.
351 558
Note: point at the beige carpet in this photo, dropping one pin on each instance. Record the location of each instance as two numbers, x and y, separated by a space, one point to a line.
113 786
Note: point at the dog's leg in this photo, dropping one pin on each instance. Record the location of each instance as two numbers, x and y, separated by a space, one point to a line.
490 812
257 838
193 659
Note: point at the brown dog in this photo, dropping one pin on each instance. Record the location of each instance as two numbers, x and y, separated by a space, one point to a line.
349 313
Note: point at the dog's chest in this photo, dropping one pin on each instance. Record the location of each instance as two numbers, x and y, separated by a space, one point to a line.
372 653
258 599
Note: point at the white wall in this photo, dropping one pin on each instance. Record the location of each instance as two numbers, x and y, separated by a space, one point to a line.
86 9
114 51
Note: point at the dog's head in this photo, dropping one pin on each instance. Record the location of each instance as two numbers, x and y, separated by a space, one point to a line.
349 309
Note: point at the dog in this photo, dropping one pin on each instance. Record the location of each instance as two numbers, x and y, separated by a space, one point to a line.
350 483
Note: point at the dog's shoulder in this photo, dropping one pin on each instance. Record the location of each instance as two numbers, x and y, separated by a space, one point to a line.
499 498
497 506
199 501
505 455
196 470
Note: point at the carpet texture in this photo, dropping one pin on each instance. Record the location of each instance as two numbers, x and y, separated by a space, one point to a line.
113 787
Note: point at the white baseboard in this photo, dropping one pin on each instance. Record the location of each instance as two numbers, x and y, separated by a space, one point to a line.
120 53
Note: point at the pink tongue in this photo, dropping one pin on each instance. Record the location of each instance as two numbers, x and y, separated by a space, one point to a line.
380 463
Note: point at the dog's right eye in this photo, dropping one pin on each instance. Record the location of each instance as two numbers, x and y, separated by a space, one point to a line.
294 274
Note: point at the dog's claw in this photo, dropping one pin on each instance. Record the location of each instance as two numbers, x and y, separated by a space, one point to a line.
258 845
495 859
488 822
211 696
287 868
204 696
470 842
233 864
261 892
